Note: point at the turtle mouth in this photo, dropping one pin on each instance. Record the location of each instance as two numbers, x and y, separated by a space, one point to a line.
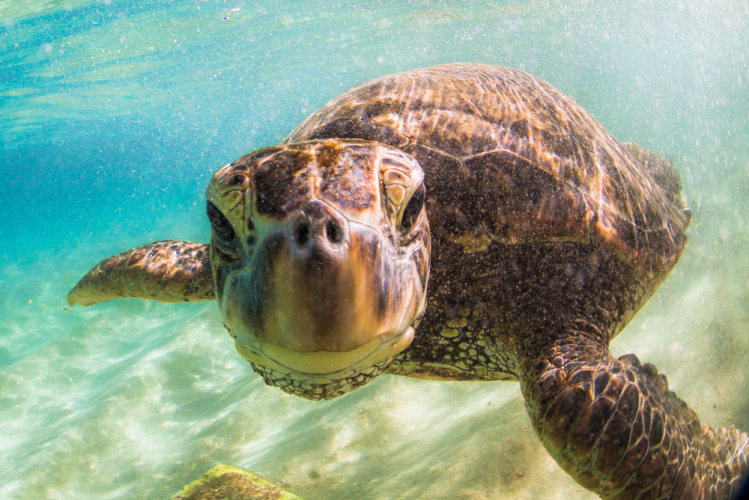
324 375
328 365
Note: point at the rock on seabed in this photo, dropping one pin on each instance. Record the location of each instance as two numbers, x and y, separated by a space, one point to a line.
226 482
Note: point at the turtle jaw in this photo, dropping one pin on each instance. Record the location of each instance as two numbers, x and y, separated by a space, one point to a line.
326 365
323 374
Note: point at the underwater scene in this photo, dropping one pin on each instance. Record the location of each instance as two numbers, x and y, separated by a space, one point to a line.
114 116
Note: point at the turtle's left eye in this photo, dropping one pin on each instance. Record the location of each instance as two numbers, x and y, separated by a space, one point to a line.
413 209
220 223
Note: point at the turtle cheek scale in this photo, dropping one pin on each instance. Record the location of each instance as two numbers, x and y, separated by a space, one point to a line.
319 319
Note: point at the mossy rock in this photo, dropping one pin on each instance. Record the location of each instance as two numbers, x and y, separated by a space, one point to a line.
226 482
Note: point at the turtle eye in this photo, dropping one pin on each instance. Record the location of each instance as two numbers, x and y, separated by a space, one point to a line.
219 223
413 209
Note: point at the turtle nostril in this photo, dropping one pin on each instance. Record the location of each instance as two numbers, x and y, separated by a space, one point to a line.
301 234
333 232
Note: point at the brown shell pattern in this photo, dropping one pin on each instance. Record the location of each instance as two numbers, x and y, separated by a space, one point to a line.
524 162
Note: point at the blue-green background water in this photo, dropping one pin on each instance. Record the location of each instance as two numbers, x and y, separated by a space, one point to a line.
113 116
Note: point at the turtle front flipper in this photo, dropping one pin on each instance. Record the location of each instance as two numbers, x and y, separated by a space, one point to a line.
615 427
166 271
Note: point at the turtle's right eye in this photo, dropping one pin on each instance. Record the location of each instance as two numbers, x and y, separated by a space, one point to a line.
413 209
220 223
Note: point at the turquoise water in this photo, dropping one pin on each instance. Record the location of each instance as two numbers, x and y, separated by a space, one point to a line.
114 115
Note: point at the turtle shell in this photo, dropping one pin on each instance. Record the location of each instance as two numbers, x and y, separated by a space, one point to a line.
510 159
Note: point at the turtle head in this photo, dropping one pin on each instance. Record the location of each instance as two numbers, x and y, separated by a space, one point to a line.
320 257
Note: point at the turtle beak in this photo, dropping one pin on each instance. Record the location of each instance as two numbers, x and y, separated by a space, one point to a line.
323 284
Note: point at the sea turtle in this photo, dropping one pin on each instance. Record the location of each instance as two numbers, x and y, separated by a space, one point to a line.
540 236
